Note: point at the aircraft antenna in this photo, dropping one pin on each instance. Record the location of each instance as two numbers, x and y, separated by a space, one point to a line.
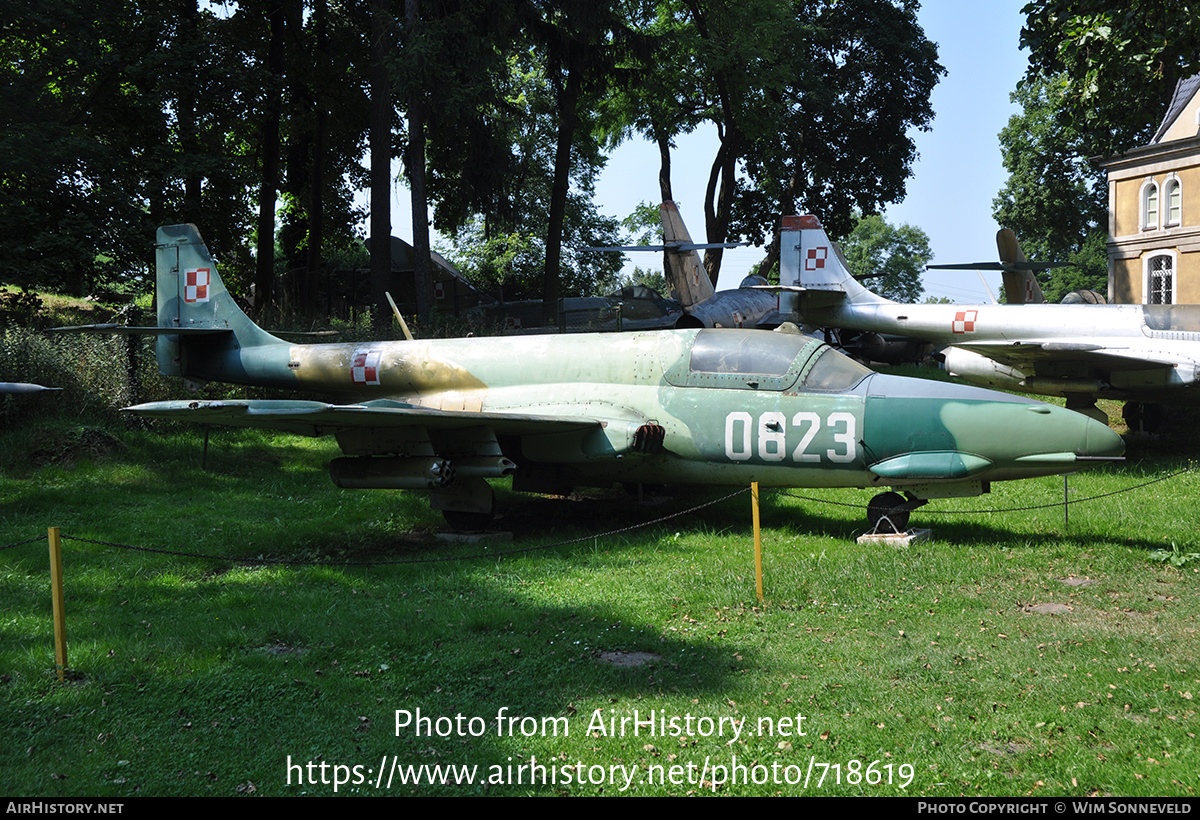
399 318
991 295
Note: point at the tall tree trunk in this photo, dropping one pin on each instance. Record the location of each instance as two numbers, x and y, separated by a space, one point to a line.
568 101
316 182
664 168
189 14
664 182
422 268
297 151
381 162
715 227
264 272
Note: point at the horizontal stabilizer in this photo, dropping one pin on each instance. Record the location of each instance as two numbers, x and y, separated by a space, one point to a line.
125 330
674 246
780 288
1001 266
23 387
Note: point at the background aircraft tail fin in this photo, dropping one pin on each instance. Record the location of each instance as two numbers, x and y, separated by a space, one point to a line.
1020 285
814 266
687 274
192 298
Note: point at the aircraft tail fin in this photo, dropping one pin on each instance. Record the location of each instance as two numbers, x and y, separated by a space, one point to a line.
1020 285
193 301
814 268
686 271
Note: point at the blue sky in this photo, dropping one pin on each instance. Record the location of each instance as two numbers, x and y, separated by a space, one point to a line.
954 181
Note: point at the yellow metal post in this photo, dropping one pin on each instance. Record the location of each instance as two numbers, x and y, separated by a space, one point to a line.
56 597
757 541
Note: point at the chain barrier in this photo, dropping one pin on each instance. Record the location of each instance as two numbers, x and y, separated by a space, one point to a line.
580 539
1055 505
432 560
23 543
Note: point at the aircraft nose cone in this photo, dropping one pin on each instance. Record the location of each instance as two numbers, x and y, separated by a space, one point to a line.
949 431
1100 441
1051 433
1062 440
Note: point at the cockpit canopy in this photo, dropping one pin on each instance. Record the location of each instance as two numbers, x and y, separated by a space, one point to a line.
763 360
1172 318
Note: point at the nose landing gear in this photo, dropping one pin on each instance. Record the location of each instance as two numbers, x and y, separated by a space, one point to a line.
888 513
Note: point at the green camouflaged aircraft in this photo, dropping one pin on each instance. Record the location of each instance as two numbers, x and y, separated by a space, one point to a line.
715 407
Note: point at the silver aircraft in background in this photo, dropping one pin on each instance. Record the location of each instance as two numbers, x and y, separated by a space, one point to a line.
1140 354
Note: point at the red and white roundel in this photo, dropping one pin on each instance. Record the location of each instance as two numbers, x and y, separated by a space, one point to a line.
195 284
964 321
815 258
364 369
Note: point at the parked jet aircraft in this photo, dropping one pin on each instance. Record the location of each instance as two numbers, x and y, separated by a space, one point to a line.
692 406
1079 351
1020 287
703 305
633 307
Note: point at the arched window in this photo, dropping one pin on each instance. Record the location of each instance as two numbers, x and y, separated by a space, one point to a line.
1149 205
1174 201
1158 287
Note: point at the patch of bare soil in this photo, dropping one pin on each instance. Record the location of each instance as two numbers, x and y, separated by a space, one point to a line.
621 658
1049 609
590 510
65 447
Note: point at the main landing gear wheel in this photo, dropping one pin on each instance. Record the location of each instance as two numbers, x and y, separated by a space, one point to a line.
467 522
467 505
1141 417
641 491
888 513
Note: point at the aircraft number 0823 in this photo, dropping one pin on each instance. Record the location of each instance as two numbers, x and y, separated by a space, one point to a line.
772 436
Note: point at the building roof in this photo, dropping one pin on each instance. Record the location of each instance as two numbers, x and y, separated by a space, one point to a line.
1185 89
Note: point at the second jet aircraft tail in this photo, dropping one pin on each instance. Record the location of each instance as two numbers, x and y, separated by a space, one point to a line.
193 301
813 271
688 276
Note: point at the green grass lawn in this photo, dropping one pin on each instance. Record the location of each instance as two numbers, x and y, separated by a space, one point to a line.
1008 656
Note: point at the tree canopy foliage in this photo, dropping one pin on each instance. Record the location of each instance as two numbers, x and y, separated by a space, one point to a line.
814 105
1120 60
894 257
1055 199
251 118
1100 76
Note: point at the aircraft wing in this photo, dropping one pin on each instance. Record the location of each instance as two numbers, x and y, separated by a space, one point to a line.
314 418
1027 356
